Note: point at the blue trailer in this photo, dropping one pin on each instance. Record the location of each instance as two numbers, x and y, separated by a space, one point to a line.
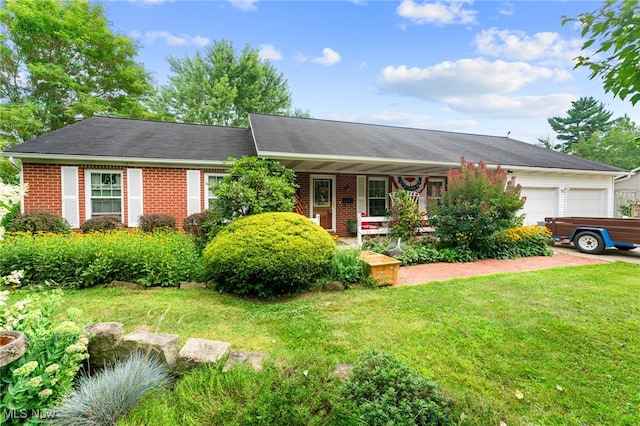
595 234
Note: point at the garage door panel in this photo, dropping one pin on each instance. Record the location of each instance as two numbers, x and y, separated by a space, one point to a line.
540 203
586 203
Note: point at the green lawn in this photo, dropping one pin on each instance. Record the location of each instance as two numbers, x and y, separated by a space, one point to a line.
567 340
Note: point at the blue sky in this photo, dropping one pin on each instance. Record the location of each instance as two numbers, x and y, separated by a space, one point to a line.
487 67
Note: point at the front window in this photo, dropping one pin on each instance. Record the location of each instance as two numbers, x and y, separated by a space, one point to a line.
435 189
378 191
211 181
106 193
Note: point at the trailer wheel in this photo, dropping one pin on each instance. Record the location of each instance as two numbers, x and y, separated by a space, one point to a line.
589 242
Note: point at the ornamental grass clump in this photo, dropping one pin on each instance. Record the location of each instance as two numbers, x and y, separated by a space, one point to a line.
106 397
268 255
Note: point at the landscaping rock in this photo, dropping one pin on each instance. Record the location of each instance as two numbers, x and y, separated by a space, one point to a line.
333 286
187 285
254 359
198 352
126 284
104 340
165 346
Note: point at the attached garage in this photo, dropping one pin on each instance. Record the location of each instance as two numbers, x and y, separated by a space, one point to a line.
586 202
540 203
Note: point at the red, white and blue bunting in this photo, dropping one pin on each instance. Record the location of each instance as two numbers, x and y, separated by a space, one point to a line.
410 183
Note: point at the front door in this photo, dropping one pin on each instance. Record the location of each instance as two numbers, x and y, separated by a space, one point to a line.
323 200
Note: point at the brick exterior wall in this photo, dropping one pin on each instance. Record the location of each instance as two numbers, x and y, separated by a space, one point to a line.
164 189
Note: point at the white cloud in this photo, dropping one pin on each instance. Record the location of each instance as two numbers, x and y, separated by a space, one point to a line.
269 53
171 39
507 9
513 106
329 57
246 5
465 77
520 46
436 12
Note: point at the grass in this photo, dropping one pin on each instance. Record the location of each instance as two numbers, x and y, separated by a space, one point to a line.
553 347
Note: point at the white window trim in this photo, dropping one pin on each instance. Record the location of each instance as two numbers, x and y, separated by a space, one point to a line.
386 192
87 191
437 179
206 187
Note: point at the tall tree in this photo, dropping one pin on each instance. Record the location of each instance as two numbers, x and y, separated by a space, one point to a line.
221 87
613 147
616 27
585 117
59 61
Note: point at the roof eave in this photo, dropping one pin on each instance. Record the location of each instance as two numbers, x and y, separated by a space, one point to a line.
71 159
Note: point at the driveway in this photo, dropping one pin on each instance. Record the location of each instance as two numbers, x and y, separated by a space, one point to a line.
609 255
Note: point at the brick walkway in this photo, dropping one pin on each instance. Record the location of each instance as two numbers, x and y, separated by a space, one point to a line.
420 274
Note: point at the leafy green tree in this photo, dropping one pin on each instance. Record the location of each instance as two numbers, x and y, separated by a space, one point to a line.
59 61
616 27
254 185
613 147
478 203
585 117
222 87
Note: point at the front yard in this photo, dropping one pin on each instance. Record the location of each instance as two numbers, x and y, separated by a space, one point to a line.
559 346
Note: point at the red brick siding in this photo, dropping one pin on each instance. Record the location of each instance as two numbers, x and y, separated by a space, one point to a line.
44 188
164 189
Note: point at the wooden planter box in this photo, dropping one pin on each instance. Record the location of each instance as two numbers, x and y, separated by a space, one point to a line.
383 269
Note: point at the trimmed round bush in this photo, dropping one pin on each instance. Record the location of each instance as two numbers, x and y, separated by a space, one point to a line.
268 254
39 221
101 224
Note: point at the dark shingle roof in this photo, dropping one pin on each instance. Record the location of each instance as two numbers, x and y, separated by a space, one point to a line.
292 135
142 139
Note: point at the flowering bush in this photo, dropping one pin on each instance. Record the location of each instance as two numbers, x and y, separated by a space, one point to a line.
477 203
44 374
521 241
9 197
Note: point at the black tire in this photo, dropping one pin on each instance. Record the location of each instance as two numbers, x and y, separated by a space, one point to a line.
589 242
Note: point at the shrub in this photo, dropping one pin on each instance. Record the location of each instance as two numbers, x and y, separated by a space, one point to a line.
44 374
383 391
106 397
521 241
85 260
406 216
477 203
202 227
41 221
347 267
157 222
268 254
101 224
254 185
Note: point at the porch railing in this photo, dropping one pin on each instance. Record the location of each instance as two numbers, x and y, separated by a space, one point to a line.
379 225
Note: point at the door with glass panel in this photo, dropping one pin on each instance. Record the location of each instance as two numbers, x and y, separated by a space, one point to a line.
323 200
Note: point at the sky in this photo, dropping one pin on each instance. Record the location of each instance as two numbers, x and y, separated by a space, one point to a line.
482 67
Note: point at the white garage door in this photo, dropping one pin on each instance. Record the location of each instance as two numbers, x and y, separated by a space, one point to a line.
540 203
586 202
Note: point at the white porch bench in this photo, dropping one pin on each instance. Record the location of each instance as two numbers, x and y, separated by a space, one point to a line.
379 225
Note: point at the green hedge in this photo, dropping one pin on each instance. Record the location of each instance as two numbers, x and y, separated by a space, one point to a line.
84 260
268 254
